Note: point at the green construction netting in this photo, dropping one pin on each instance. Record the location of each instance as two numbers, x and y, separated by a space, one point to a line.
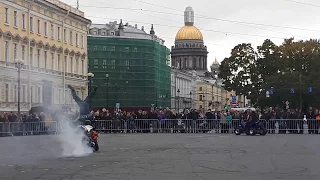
139 72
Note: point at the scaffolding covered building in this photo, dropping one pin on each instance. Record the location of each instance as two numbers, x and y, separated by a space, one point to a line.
131 67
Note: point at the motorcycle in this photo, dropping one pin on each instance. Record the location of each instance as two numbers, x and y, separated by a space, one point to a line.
91 136
253 129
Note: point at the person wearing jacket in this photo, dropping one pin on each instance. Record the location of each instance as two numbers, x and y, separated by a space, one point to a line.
83 104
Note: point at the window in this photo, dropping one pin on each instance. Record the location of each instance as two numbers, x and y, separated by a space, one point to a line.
200 97
45 28
39 30
65 64
23 21
82 67
127 63
7 92
6 20
45 59
23 48
38 55
52 61
135 49
200 88
77 66
71 42
65 35
39 95
59 36
59 63
15 93
15 53
31 24
77 42
71 64
104 48
103 33
15 20
24 93
112 33
31 57
52 31
82 39
6 51
113 62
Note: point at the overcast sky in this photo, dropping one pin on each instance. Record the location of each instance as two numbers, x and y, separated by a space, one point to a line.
167 17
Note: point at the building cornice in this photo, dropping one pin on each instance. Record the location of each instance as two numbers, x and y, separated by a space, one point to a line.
63 11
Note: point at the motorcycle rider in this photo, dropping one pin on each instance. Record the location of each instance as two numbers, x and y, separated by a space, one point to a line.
84 105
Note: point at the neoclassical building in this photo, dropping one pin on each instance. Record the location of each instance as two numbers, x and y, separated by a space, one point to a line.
50 38
183 89
131 66
189 51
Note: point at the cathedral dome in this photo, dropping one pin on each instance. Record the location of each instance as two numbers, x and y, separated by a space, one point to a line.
189 33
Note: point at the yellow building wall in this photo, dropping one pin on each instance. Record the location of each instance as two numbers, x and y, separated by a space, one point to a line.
210 96
34 35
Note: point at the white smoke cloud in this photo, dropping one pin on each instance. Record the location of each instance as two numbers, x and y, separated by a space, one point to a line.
70 140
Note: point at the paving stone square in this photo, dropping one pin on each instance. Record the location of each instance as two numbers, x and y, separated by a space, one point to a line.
165 156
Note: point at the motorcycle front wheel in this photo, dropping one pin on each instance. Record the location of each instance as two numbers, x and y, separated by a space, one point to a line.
95 146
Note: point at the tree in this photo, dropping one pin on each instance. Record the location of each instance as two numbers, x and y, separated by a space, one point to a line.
238 70
291 65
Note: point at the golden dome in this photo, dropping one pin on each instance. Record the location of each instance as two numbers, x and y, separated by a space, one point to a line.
189 33
215 62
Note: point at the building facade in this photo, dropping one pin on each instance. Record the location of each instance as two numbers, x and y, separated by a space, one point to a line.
210 95
130 65
183 89
50 38
189 51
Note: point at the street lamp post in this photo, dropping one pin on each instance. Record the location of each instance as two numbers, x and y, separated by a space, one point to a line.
90 76
107 89
116 92
19 65
190 100
178 100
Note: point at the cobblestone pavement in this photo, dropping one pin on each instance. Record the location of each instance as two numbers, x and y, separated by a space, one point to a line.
166 156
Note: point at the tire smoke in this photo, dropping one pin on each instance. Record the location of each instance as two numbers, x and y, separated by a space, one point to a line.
70 139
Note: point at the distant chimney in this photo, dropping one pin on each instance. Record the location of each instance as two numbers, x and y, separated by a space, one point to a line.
136 26
142 28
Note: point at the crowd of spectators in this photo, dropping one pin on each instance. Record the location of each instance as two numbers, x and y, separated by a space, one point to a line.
291 119
183 121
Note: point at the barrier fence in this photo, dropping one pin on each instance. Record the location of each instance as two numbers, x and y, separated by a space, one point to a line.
274 126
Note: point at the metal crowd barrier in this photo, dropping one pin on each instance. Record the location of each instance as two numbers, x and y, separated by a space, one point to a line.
274 126
28 128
